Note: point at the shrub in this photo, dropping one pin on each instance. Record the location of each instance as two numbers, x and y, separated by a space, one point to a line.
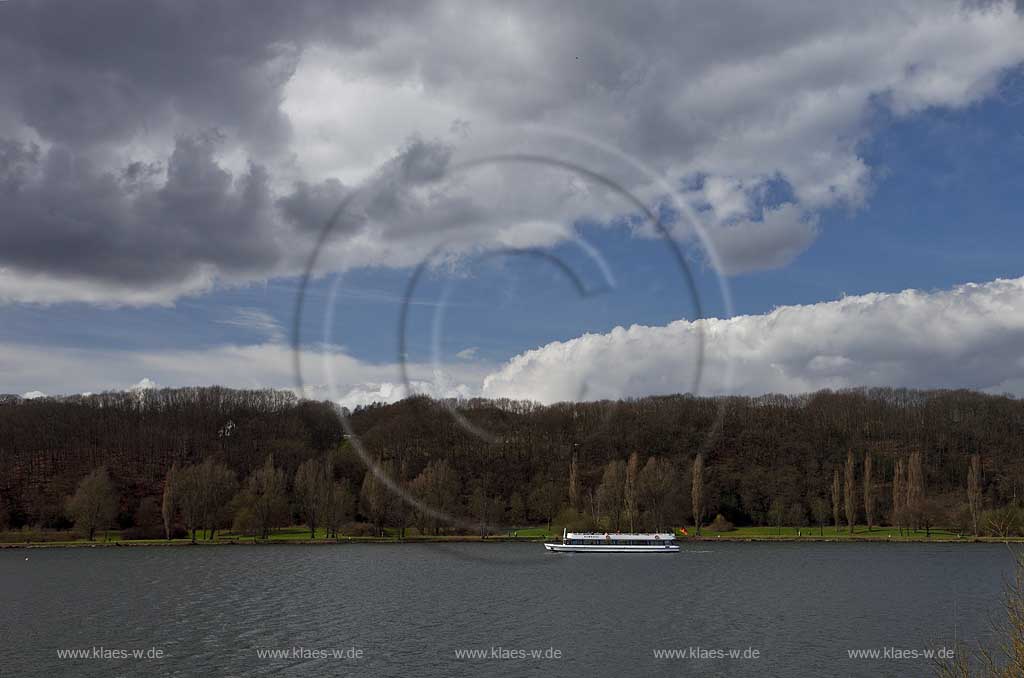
720 524
358 530
1002 522
245 522
36 534
573 521
143 532
147 523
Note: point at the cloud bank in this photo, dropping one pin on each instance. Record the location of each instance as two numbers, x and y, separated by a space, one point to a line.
967 337
328 373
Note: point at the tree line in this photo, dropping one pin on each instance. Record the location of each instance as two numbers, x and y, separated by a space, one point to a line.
217 459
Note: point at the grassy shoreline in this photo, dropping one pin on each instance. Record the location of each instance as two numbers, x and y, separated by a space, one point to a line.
299 536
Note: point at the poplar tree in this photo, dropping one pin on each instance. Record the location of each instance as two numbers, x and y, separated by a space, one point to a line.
610 497
169 501
574 483
869 491
899 495
629 492
836 499
850 492
974 490
915 489
697 491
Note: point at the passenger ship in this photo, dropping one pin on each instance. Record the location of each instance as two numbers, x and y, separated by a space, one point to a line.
587 542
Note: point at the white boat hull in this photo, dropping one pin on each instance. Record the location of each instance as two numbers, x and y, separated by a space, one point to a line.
611 548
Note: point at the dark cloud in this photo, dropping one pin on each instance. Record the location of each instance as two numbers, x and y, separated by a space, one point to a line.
63 215
422 162
390 199
83 73
309 206
93 81
16 161
146 146
161 224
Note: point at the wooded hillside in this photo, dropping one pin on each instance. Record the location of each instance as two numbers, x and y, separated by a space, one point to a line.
760 455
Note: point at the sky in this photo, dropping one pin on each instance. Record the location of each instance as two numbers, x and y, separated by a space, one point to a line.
536 201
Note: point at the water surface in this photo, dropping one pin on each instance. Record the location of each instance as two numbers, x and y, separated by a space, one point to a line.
417 610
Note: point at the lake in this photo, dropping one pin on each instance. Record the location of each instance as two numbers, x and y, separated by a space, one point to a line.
493 609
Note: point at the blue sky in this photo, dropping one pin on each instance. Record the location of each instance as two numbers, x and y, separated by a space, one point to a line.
156 246
945 209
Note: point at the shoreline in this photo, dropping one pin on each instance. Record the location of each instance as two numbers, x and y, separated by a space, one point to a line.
498 540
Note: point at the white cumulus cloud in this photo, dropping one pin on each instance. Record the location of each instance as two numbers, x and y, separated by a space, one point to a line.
971 336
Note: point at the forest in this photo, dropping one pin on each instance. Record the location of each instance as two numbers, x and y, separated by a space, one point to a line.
171 462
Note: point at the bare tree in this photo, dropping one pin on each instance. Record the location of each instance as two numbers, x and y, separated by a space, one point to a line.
146 521
819 508
592 505
1005 657
836 499
974 490
915 490
574 482
94 504
654 487
437 489
796 515
376 498
169 501
188 490
610 496
516 510
545 498
203 493
480 506
697 491
630 500
400 509
850 492
262 503
777 514
1004 522
314 484
218 485
44 442
869 491
899 495
339 508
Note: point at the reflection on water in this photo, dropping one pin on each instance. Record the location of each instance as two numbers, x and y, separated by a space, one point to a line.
491 609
